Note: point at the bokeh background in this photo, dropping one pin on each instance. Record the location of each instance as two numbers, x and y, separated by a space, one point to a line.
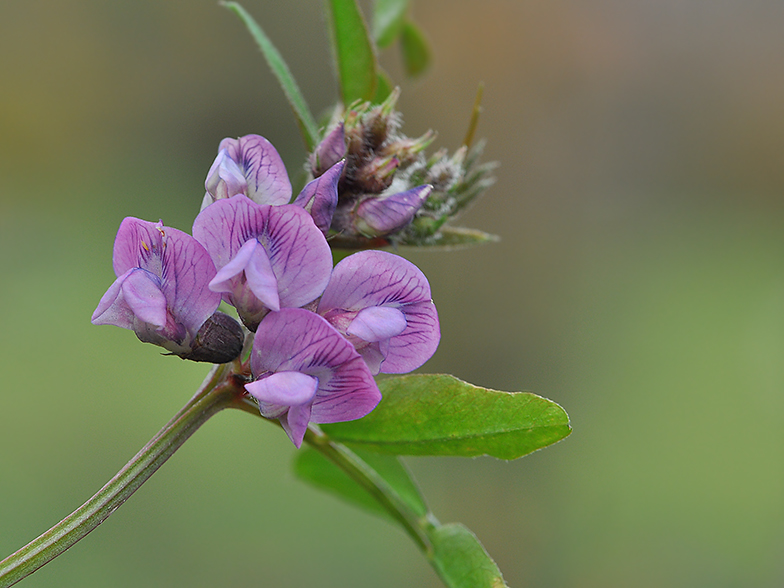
639 283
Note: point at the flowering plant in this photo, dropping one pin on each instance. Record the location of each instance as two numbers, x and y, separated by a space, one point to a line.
298 341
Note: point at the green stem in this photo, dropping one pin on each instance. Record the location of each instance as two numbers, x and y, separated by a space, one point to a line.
218 391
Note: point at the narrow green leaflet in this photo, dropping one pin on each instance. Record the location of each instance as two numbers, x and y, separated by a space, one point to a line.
437 414
312 467
416 50
305 120
354 51
461 560
451 238
388 19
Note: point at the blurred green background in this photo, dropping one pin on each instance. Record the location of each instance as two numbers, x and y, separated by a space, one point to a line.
639 283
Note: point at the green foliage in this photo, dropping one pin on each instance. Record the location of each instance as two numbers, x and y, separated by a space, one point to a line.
354 51
451 238
416 50
461 560
388 19
425 414
312 467
305 120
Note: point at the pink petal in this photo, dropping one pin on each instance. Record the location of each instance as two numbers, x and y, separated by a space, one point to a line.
285 388
377 323
263 168
145 299
320 196
225 179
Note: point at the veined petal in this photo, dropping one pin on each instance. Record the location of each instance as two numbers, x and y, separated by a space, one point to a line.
295 422
143 296
330 151
263 168
113 309
138 244
372 279
297 340
225 178
187 272
376 217
320 196
262 280
286 388
377 323
224 279
298 253
162 290
417 343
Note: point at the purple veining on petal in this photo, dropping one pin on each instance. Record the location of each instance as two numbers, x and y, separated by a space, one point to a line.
376 217
376 279
297 340
299 256
253 261
320 196
161 292
263 168
331 150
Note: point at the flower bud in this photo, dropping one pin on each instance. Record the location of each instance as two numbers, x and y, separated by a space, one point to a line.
376 176
320 196
219 340
377 217
327 153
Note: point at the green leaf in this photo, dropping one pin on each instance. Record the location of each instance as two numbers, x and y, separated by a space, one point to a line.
312 467
449 238
388 19
354 52
305 120
461 560
416 50
437 414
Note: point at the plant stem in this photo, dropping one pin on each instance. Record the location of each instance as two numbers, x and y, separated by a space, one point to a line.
218 391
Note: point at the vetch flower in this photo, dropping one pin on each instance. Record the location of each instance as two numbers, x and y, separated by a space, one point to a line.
161 293
381 303
251 166
383 215
307 372
267 257
327 153
319 197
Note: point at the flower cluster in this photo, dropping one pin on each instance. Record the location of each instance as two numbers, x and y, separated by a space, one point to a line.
388 191
320 333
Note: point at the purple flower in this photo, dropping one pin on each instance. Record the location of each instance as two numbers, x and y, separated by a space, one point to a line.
381 303
161 290
307 372
320 196
268 257
251 166
380 216
331 150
